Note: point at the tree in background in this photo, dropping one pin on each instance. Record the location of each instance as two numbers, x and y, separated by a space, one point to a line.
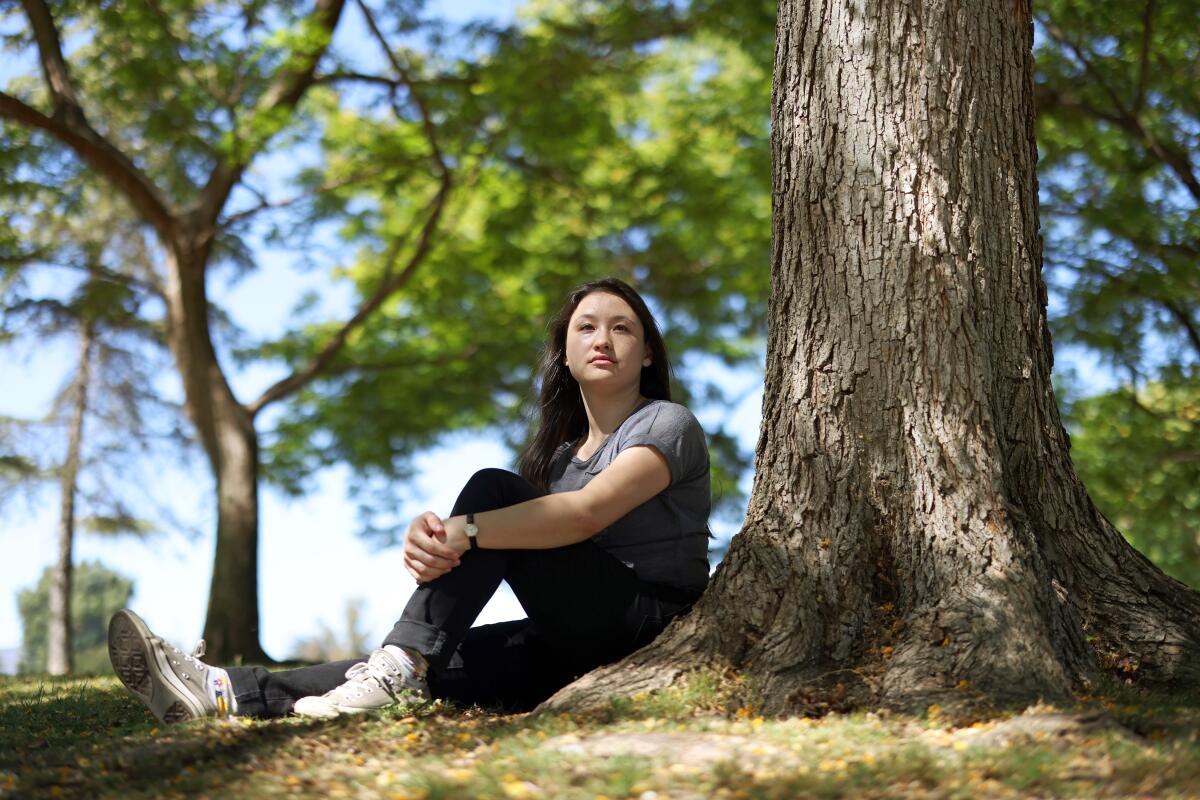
101 426
1118 127
96 594
916 530
458 203
328 644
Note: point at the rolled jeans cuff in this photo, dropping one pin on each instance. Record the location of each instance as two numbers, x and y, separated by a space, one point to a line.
426 639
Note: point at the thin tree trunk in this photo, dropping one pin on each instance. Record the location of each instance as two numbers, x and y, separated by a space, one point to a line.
916 530
226 430
59 659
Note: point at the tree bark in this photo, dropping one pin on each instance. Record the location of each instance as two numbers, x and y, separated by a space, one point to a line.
916 528
59 659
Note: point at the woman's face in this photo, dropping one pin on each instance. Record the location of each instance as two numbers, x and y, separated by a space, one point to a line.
606 345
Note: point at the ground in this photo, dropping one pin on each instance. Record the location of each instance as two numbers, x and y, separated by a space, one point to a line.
88 738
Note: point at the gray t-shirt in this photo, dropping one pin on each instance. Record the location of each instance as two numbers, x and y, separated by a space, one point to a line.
665 539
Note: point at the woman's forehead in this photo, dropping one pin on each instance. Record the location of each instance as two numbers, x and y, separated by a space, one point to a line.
603 305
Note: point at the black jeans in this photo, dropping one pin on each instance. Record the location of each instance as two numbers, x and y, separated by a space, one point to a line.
585 609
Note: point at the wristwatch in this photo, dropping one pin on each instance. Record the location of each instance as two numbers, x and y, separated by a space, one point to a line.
472 531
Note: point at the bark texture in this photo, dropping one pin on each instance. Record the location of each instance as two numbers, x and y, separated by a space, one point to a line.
59 660
915 518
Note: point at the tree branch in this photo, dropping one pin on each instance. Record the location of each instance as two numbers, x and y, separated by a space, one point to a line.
1139 94
426 120
382 366
1130 121
391 283
392 83
1183 317
265 204
69 124
287 87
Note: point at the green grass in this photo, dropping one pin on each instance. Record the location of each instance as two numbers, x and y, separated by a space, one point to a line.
88 738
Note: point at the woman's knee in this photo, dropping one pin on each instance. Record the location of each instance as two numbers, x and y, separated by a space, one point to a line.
494 488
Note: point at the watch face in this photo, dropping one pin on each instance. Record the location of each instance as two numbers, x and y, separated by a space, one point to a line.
471 529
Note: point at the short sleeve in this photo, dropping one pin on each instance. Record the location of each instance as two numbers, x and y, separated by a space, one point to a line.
673 431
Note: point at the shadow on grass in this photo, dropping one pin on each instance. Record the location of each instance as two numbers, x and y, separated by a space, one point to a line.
90 738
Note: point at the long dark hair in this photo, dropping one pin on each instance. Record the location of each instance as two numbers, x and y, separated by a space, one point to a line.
561 415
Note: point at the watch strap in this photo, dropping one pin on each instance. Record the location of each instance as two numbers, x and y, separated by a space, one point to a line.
472 531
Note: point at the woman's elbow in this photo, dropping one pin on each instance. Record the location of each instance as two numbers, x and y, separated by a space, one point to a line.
586 521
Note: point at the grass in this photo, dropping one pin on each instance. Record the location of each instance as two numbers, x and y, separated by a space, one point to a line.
88 738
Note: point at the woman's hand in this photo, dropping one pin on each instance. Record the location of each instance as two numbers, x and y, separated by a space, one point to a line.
426 553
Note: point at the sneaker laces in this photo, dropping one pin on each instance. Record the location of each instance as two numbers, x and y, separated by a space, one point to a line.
381 671
194 657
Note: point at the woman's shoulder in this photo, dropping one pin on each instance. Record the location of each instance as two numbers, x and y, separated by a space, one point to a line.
664 414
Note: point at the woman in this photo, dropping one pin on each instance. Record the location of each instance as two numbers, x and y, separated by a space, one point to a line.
602 537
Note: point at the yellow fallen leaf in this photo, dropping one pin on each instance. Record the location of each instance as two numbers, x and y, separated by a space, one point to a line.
459 775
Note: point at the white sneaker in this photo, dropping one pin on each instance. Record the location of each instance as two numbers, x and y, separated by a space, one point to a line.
390 676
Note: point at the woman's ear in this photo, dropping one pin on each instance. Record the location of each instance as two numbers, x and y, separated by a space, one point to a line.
648 360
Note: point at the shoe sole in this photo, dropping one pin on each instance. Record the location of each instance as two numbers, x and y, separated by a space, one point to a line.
148 677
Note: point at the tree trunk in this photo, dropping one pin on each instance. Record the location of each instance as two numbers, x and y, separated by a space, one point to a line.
226 430
916 529
59 660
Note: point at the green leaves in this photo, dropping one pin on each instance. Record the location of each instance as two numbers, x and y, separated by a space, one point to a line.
1139 455
1118 123
589 141
96 593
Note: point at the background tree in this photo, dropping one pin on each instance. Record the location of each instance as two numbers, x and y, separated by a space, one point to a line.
397 140
328 644
916 529
96 593
101 426
177 180
1118 126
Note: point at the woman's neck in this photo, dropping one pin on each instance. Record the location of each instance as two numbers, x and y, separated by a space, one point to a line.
605 414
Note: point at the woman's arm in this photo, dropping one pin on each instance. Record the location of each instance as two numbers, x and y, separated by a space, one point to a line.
432 545
562 518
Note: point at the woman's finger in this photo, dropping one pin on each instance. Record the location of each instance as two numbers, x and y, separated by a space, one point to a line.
423 534
423 573
418 545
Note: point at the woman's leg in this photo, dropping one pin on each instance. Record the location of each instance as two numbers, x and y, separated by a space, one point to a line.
585 609
260 693
440 613
506 665
455 603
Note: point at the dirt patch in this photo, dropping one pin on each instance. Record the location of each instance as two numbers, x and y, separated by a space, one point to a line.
693 749
1040 724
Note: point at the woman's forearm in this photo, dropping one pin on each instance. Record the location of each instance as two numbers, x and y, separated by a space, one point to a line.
554 520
